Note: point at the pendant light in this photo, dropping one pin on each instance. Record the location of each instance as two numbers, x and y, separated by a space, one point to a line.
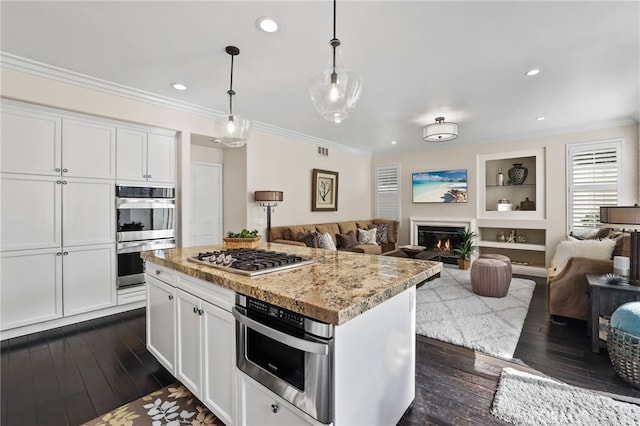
440 131
335 91
233 130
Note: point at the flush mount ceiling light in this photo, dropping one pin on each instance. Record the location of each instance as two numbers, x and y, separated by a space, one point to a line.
266 24
532 72
233 129
179 86
335 91
440 131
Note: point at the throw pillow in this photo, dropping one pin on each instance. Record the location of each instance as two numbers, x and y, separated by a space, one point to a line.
307 239
347 240
328 242
591 249
367 236
318 240
381 233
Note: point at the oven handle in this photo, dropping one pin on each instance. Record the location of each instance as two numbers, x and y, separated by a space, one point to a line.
286 339
160 204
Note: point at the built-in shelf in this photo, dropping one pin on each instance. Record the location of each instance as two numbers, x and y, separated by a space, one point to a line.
512 246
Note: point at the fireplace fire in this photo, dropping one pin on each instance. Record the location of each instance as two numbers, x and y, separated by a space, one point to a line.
441 240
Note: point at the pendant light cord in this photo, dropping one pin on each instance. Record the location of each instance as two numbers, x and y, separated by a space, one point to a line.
334 41
231 92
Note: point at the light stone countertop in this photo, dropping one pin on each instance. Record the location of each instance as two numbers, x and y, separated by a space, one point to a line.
336 288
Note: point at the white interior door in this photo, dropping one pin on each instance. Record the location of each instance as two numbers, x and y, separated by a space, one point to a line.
206 203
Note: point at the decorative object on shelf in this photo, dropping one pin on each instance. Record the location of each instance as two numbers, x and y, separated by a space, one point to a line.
324 190
233 129
335 91
466 248
626 217
500 178
443 186
268 199
621 265
527 204
500 237
614 279
522 238
517 174
440 131
504 205
512 236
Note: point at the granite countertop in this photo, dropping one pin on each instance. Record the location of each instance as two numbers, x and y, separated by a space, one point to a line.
336 288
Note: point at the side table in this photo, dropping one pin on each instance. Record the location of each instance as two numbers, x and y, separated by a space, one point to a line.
604 302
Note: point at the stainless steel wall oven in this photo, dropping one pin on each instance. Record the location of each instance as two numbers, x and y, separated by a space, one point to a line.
145 221
288 353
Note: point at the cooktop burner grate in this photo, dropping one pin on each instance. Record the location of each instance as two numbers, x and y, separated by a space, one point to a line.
250 262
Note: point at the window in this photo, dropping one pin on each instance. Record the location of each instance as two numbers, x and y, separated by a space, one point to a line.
594 180
388 191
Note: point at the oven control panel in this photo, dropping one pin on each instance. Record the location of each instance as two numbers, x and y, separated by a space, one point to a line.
270 310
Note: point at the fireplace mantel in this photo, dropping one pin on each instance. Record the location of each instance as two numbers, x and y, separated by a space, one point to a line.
462 222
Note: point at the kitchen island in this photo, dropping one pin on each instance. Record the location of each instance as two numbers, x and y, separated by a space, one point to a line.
367 301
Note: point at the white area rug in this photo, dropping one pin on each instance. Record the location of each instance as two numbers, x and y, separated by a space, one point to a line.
525 399
448 310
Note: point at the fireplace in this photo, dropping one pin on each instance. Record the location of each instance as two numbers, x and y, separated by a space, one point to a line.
440 240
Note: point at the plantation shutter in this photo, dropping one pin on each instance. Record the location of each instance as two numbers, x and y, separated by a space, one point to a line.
594 180
388 191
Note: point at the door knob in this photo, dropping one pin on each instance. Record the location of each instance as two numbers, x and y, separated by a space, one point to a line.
274 408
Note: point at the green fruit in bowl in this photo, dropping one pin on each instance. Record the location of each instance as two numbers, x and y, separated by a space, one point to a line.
245 233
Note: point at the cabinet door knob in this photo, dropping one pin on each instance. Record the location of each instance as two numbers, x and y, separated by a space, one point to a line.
158 271
65 253
195 310
200 312
171 297
59 253
58 169
64 182
149 176
65 170
58 182
274 408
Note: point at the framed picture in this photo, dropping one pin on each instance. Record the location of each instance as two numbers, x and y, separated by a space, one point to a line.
324 191
445 186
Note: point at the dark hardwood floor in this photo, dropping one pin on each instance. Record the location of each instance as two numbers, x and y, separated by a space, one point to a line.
72 374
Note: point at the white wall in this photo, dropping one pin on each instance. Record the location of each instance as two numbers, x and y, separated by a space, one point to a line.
452 156
207 154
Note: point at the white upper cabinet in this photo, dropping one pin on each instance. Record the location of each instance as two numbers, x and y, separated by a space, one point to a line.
89 212
88 149
31 142
146 157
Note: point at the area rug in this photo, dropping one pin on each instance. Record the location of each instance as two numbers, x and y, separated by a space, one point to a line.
173 405
526 399
448 310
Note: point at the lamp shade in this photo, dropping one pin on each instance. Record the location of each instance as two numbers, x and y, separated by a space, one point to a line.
440 131
624 216
268 196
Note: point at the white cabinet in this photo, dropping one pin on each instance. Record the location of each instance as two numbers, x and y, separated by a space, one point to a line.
260 407
189 343
31 287
161 337
31 142
88 149
145 157
88 212
89 278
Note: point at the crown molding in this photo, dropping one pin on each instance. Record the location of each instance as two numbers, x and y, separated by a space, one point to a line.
40 69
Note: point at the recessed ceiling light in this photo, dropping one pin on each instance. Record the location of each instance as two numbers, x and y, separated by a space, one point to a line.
534 71
179 86
393 142
266 24
539 118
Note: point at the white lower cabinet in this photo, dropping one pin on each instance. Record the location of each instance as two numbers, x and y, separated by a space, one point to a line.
188 313
260 407
31 287
161 337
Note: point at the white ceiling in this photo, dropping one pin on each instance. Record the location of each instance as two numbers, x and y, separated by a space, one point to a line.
418 59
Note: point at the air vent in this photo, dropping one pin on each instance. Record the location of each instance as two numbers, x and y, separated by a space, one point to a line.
323 151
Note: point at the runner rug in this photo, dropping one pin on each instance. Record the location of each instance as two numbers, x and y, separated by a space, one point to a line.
526 399
173 405
448 310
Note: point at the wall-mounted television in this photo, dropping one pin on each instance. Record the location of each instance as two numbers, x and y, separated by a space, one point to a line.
444 186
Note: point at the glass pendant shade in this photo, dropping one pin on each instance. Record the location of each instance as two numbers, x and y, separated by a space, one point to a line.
234 130
335 91
440 131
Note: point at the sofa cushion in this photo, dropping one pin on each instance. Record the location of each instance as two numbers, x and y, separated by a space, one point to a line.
367 248
591 249
367 236
363 224
345 227
392 230
347 240
296 229
331 228
327 242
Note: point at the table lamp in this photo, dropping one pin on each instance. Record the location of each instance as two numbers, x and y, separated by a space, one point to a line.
268 199
628 218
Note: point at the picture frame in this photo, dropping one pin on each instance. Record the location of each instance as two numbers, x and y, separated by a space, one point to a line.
442 186
324 191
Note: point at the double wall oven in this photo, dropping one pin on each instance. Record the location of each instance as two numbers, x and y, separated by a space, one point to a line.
145 221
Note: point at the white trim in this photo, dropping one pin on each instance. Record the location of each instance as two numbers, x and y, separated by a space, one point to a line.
29 66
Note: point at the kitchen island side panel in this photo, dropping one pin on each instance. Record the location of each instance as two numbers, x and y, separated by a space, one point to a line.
375 363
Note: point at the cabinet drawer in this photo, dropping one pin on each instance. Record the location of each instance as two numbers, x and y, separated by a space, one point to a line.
209 292
161 273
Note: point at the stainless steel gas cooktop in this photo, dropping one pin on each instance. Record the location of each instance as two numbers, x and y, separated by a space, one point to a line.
250 262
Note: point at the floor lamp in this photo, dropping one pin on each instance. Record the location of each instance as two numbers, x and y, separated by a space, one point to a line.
268 199
628 218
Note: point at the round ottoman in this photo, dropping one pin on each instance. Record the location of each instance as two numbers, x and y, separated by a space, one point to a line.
623 342
504 258
490 277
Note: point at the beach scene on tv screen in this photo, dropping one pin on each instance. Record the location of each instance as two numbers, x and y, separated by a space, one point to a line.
446 186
